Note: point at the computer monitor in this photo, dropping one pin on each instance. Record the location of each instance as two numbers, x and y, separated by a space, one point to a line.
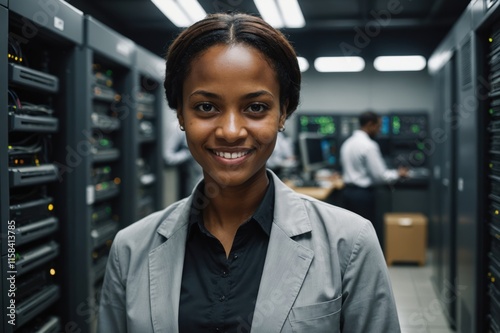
323 124
317 152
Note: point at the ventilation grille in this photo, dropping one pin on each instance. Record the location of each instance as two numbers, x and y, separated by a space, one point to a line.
466 65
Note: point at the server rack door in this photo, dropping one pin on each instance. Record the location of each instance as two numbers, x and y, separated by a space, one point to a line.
447 191
467 186
435 228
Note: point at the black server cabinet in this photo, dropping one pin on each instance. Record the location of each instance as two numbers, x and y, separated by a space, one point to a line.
447 189
100 157
489 55
468 226
42 41
150 105
435 208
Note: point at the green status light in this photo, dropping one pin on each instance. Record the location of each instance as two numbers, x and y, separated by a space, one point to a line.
396 125
304 121
326 125
415 128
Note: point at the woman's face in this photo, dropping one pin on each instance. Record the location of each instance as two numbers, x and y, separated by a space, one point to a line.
231 113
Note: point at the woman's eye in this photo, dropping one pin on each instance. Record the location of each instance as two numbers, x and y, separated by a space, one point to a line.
205 107
257 108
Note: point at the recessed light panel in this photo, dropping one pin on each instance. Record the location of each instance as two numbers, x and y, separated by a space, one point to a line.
399 63
339 64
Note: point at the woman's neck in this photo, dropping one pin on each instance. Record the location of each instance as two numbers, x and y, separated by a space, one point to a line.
231 206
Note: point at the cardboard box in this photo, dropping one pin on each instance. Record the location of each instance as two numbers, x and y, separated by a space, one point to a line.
405 237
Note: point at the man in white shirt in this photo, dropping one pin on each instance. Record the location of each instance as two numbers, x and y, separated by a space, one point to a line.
363 168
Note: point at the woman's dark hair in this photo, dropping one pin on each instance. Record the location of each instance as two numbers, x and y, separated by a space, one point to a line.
233 29
368 117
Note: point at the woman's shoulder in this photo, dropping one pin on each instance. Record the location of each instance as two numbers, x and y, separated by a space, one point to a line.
148 229
337 220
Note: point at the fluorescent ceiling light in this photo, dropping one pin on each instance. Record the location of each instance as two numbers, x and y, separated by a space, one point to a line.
193 9
190 12
339 64
291 13
303 64
399 63
269 12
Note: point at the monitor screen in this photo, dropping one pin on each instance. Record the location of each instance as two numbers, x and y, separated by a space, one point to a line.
317 151
409 126
317 123
385 128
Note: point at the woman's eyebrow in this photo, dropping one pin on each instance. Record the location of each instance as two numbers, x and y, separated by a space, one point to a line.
205 93
258 94
212 95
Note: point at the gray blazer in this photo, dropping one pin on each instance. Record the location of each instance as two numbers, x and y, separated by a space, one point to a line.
324 272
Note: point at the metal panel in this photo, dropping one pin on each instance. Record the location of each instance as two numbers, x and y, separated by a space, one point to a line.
108 42
435 149
447 191
467 202
57 16
478 10
76 159
4 3
149 64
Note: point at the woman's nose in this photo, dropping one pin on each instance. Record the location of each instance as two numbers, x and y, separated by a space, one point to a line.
232 127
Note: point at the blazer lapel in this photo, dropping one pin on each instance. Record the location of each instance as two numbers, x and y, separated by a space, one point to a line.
287 262
165 272
286 267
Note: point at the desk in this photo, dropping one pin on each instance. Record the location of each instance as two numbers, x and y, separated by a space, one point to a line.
320 193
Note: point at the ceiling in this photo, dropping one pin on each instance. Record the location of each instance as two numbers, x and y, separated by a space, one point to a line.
367 28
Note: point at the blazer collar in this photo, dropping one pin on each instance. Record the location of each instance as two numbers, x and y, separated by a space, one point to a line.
287 263
289 212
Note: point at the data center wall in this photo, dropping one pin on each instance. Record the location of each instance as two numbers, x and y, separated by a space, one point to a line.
80 147
475 38
40 49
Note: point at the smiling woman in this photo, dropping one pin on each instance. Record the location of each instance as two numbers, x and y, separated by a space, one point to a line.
243 252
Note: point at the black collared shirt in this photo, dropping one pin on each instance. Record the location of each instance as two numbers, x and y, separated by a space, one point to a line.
218 293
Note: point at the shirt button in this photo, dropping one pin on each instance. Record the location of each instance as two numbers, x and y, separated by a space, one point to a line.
222 298
235 256
224 273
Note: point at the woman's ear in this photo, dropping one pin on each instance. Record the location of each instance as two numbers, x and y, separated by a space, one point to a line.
283 115
180 118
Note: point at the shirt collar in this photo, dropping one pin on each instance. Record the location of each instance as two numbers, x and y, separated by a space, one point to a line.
264 214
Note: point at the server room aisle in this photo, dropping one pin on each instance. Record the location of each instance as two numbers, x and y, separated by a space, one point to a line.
420 309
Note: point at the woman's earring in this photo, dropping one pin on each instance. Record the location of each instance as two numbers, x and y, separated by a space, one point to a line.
182 128
281 129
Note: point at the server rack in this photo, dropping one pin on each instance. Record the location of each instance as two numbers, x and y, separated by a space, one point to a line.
476 99
41 45
100 155
150 105
446 187
490 121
